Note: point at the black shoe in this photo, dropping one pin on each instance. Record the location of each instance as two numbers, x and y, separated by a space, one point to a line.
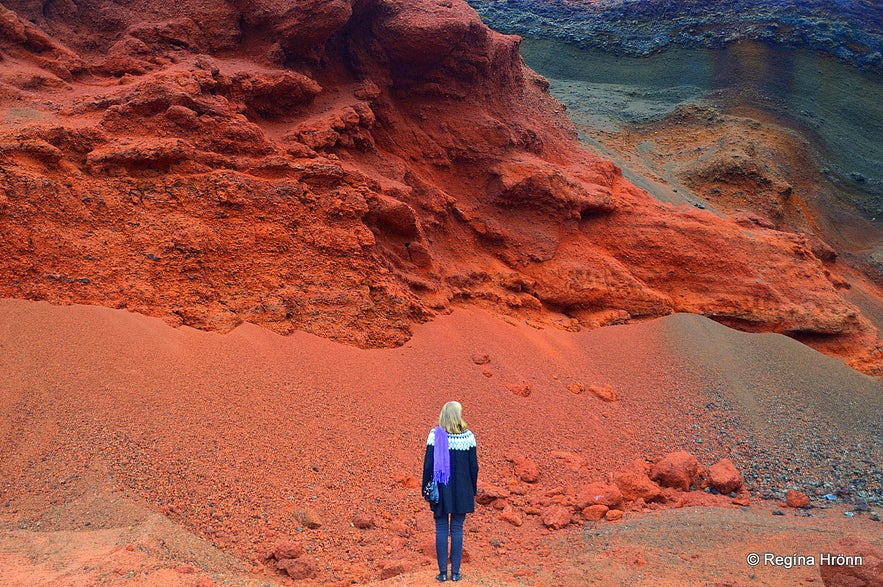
442 577
455 576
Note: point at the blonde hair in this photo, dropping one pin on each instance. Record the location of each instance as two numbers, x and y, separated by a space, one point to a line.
451 418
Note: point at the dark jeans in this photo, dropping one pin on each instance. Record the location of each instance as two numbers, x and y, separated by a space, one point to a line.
454 526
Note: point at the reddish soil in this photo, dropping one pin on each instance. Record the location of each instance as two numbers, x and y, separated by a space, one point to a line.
192 446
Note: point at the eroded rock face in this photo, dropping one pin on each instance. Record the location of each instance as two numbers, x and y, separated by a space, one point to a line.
348 169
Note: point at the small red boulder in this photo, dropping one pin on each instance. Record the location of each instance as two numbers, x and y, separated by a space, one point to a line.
725 477
678 470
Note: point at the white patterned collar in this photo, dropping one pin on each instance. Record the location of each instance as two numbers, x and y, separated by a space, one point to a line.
461 441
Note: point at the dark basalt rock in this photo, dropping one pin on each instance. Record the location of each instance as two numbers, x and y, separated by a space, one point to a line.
849 29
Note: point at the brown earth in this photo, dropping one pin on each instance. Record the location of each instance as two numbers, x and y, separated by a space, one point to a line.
130 448
351 169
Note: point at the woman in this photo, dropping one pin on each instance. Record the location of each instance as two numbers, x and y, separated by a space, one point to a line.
452 462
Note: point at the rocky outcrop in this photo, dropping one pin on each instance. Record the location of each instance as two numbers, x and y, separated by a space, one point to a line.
850 30
348 169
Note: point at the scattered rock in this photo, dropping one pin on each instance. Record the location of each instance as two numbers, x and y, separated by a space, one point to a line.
635 485
488 494
604 393
576 388
614 515
725 477
742 500
309 518
392 570
796 499
185 569
297 569
599 494
409 481
363 521
511 515
519 389
556 517
571 461
287 550
526 469
479 359
679 470
593 513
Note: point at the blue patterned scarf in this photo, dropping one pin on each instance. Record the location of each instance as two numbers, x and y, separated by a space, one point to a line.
441 458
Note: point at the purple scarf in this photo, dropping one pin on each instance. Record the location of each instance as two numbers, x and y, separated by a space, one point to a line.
441 458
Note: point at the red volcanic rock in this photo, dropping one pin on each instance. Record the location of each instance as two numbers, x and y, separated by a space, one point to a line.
298 568
400 529
185 569
488 494
725 477
679 470
274 93
519 389
636 485
570 460
614 515
18 35
409 481
842 568
287 550
391 570
422 33
526 469
593 513
599 494
363 521
796 499
511 515
309 518
300 29
555 517
604 393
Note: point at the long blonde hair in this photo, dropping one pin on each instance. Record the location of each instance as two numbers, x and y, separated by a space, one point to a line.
451 418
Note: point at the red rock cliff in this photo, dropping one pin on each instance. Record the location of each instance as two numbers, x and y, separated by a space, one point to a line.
349 169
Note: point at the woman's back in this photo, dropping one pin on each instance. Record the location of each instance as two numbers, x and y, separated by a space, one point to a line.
451 461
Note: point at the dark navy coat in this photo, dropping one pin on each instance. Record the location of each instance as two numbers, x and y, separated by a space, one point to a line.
458 495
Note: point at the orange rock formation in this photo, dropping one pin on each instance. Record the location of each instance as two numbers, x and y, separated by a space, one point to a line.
348 169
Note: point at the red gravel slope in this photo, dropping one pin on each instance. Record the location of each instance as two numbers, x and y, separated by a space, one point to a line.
243 437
